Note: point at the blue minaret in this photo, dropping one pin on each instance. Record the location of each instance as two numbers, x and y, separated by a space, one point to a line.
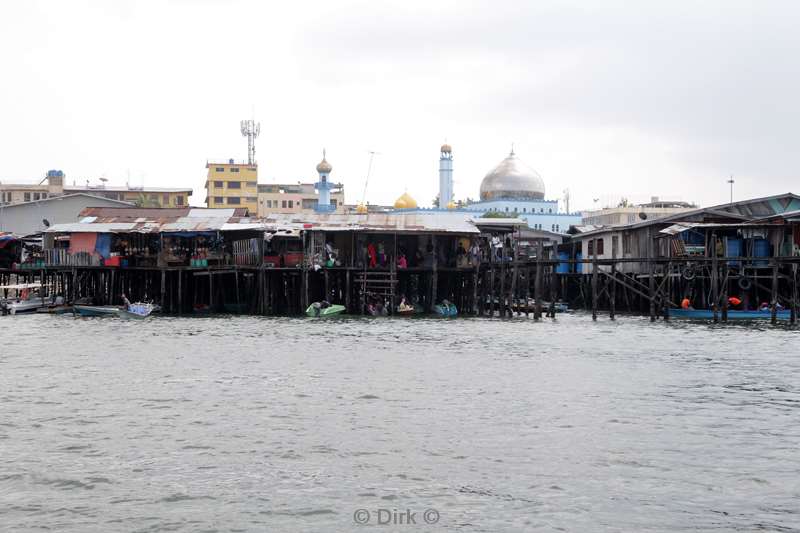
324 187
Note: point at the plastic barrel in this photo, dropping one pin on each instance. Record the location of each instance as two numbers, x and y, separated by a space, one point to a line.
733 248
563 268
761 249
578 266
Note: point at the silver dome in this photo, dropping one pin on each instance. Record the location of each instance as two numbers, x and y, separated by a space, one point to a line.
512 179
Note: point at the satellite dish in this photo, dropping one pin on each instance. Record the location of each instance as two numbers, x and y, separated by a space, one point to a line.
643 215
46 223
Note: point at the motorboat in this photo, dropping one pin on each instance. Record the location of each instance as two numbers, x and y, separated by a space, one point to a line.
138 310
29 298
733 314
445 309
320 310
96 310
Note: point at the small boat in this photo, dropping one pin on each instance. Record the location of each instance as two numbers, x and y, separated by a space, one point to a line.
708 314
96 310
138 310
445 309
317 310
409 310
29 299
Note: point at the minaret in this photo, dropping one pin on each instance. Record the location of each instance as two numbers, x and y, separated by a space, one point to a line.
445 176
324 186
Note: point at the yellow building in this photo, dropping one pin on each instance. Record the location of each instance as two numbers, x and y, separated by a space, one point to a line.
53 185
232 185
294 198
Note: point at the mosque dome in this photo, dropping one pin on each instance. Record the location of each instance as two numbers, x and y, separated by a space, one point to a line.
361 209
324 166
451 205
446 148
405 202
512 179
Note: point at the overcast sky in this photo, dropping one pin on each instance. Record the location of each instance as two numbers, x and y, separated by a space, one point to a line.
608 99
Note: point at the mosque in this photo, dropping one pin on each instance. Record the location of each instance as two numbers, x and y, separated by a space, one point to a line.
509 189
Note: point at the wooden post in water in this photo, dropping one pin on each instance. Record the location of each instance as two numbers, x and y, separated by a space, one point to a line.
774 297
347 291
537 284
612 295
502 297
180 292
594 278
210 292
435 274
475 275
651 275
714 277
793 312
163 286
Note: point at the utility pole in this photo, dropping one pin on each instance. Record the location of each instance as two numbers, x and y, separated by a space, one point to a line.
731 183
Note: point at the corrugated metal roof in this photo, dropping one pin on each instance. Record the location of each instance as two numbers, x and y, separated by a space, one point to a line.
376 222
92 227
184 220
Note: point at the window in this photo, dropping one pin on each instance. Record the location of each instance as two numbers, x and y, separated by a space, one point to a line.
626 243
550 210
36 196
515 209
27 197
218 199
165 198
541 209
219 169
251 199
251 184
291 204
234 200
234 184
524 209
234 169
614 245
599 247
283 204
506 210
309 203
218 184
179 200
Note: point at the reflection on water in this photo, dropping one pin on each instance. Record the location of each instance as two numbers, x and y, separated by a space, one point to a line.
281 424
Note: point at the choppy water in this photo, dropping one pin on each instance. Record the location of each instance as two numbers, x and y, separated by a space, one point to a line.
256 424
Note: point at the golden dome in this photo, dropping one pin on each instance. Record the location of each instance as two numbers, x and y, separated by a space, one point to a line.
446 148
451 205
405 202
361 209
323 165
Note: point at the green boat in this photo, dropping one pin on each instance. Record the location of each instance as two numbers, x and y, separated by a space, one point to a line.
316 310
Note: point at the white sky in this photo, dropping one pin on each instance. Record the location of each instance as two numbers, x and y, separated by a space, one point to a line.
609 99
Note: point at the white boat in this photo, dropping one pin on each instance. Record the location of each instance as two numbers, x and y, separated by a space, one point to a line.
138 310
29 298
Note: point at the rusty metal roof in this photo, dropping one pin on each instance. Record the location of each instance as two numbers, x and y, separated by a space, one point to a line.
151 220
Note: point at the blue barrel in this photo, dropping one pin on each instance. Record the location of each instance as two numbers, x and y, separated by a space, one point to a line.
733 248
563 268
761 249
578 266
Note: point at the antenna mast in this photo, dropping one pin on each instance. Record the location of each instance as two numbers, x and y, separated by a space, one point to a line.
369 170
251 129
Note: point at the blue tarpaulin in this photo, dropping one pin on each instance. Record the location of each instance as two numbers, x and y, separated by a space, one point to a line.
103 245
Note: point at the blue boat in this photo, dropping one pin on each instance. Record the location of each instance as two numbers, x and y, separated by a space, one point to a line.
445 309
708 314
